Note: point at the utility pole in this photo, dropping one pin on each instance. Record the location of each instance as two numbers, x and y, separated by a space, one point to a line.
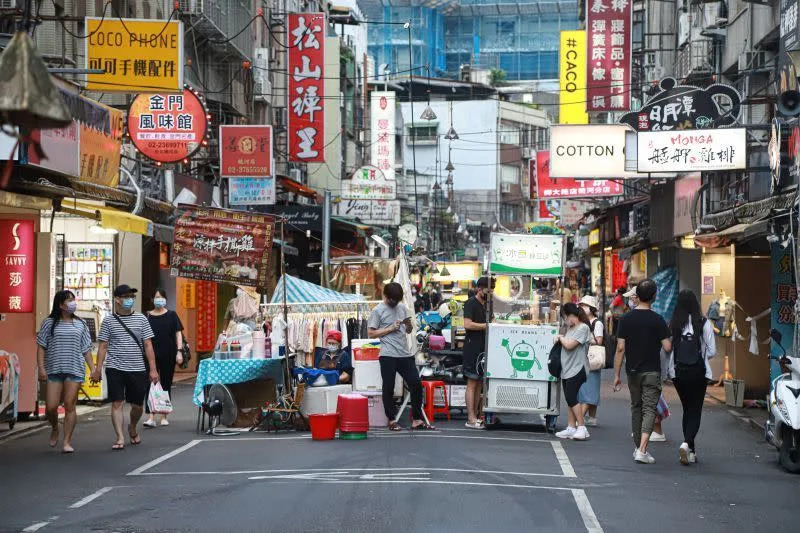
326 239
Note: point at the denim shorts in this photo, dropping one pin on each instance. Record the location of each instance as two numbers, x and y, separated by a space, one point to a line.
61 377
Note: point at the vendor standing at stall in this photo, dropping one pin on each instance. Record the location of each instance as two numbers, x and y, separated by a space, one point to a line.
390 322
334 357
475 322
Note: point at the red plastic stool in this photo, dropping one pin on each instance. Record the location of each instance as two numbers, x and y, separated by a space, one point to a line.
429 389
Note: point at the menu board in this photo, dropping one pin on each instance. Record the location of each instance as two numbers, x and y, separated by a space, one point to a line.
88 273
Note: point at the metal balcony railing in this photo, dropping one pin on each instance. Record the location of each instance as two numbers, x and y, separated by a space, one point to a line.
695 59
219 20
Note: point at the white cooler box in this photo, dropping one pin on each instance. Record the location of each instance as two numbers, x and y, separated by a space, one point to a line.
377 417
320 400
367 368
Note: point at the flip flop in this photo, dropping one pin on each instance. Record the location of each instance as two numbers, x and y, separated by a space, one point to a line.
117 447
423 427
394 426
136 439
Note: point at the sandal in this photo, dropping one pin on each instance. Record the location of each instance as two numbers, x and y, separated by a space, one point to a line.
475 425
394 426
135 438
117 446
423 427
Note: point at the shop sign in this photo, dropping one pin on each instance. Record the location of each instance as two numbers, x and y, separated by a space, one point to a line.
688 151
789 26
189 294
168 128
794 153
684 107
609 26
685 190
546 208
222 246
306 51
59 149
382 112
245 151
251 191
782 303
572 78
525 254
520 352
549 188
361 274
369 183
18 270
571 212
137 55
594 237
206 316
587 151
379 212
300 217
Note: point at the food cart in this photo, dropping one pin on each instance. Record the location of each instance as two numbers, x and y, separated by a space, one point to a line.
518 343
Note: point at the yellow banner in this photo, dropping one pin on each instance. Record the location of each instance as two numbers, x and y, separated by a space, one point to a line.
572 78
138 56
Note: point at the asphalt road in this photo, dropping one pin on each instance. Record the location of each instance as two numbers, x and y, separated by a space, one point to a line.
450 480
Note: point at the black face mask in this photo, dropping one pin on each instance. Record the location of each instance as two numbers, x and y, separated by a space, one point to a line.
391 303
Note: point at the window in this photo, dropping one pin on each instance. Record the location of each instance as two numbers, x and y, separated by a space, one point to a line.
509 174
509 134
422 133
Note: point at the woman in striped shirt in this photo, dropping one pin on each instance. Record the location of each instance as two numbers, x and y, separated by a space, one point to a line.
64 344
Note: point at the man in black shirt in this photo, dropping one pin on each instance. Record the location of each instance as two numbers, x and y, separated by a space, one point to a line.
474 344
641 335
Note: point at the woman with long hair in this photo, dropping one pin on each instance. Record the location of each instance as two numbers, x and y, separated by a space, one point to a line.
574 363
589 394
693 344
64 344
167 345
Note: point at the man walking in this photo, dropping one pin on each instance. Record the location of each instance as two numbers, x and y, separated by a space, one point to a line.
475 323
641 336
125 337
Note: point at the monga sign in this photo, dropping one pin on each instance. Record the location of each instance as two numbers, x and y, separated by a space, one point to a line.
587 151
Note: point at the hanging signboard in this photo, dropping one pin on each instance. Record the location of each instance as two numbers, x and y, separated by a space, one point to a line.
221 245
382 132
571 212
572 78
306 51
545 213
525 254
609 26
18 267
137 55
206 316
683 107
369 183
685 191
548 187
168 128
686 151
245 151
379 212
300 217
587 151
251 191
521 352
789 27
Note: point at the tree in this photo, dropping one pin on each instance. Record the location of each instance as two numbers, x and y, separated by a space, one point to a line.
497 76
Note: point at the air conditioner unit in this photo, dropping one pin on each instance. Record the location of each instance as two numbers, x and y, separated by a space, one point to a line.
12 4
296 174
750 61
528 153
505 188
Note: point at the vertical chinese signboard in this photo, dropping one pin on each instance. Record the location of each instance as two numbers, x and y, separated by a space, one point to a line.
206 316
608 23
550 188
572 78
222 246
18 276
382 111
306 51
784 296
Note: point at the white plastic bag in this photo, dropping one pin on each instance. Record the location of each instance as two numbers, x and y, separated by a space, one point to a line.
158 400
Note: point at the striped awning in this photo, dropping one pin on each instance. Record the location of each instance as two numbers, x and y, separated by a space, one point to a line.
299 291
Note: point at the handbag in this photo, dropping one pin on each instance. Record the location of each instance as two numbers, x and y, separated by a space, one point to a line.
186 352
158 400
554 361
597 357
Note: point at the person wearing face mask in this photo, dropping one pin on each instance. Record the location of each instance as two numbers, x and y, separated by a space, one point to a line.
167 344
64 343
475 322
334 357
126 338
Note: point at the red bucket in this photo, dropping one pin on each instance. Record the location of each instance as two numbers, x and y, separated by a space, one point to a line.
323 426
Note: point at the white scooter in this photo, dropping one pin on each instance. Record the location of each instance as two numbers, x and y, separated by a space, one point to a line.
783 426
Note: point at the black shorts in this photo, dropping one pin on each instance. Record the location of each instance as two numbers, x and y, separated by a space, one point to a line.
131 387
572 386
470 365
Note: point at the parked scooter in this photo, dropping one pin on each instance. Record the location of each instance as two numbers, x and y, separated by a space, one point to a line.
783 425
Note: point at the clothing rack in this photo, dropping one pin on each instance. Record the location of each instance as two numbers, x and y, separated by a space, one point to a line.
319 307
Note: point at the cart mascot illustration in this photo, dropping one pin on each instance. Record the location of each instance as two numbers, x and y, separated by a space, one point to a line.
522 357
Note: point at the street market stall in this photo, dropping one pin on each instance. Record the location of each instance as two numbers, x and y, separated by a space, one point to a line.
516 380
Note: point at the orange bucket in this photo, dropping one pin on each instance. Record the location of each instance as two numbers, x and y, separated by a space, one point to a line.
323 426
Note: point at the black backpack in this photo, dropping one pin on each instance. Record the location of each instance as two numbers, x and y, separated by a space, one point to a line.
687 349
554 361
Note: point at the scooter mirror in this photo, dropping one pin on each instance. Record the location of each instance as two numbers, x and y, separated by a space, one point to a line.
775 335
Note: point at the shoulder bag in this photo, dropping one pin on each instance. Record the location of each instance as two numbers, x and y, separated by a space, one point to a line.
596 353
554 361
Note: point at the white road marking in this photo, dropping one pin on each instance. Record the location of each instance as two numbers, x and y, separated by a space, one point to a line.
339 470
439 482
164 457
341 476
90 498
436 435
35 527
585 508
563 460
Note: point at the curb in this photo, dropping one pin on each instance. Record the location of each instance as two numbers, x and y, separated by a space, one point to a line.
39 425
739 414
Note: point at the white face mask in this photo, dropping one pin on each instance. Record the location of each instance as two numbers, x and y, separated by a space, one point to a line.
332 348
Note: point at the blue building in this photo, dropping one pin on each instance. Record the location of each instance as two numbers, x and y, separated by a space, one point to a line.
520 37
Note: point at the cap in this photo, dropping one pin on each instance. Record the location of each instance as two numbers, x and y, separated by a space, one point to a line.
122 290
335 335
631 293
591 301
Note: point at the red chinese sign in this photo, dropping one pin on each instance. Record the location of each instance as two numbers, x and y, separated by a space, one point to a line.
609 24
306 44
18 269
222 246
167 128
206 316
548 187
245 151
544 213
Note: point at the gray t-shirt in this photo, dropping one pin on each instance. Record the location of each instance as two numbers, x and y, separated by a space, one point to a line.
383 316
572 361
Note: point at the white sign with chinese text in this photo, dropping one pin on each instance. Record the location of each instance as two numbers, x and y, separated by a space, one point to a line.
692 150
520 352
379 212
535 255
587 151
251 191
382 134
369 183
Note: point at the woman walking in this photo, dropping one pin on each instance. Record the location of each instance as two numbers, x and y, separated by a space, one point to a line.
574 362
693 344
64 343
589 394
167 345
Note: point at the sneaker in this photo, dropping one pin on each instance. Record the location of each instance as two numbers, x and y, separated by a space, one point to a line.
567 433
591 421
643 458
657 437
692 458
684 452
580 434
164 422
149 423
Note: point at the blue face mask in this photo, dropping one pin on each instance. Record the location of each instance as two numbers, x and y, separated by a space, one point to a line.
160 302
71 306
127 303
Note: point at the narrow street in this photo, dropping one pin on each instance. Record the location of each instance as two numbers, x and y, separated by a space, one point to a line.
449 480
